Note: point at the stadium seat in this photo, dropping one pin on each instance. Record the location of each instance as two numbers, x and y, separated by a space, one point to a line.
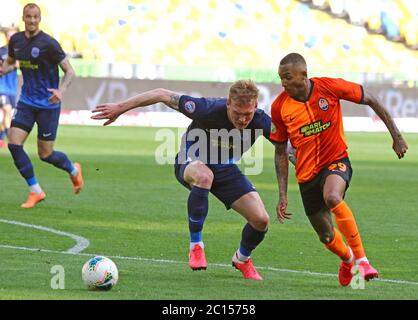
236 34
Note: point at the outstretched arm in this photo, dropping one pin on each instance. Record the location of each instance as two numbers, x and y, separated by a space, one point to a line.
112 111
399 144
282 172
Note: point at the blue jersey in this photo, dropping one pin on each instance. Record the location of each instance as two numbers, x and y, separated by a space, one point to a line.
38 58
211 137
8 82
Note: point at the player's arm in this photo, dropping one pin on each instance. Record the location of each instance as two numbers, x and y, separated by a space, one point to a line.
282 173
112 111
8 65
69 74
399 144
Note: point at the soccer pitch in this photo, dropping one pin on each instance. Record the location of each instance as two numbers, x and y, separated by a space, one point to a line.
134 211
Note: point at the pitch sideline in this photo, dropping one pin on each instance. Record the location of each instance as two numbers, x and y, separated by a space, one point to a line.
304 272
81 243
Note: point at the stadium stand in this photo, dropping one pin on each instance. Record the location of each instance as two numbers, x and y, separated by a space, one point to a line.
397 20
236 33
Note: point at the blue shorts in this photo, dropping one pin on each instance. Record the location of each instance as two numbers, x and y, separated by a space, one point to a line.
7 99
47 120
229 183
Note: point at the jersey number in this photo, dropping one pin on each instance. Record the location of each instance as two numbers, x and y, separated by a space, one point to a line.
338 167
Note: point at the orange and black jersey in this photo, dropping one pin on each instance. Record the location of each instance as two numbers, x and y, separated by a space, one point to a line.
315 126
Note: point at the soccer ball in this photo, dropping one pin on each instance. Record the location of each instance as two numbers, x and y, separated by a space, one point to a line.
100 273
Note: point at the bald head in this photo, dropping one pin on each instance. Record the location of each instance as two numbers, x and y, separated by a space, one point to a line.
31 17
31 6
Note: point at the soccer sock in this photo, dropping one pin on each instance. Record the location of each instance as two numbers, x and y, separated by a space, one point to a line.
24 165
251 238
347 224
196 238
3 134
60 160
34 186
197 206
338 247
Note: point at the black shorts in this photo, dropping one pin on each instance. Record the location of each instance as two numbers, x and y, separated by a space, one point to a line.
312 191
229 183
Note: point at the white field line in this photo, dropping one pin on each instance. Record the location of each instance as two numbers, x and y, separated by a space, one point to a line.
81 243
165 261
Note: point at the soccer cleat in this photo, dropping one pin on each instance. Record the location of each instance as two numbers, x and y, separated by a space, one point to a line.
247 268
345 275
3 145
367 271
78 182
33 199
197 259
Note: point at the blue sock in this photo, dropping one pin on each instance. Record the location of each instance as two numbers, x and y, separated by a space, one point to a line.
3 134
197 206
60 160
23 163
251 238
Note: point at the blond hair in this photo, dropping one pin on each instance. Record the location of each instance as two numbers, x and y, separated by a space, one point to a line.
243 91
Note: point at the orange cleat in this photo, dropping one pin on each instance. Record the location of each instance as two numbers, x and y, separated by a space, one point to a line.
3 145
345 275
247 268
33 199
78 182
367 271
197 259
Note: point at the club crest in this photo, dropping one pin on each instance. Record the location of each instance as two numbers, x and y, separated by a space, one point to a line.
190 106
323 104
35 52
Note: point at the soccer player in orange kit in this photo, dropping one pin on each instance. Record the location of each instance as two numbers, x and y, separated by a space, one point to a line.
308 112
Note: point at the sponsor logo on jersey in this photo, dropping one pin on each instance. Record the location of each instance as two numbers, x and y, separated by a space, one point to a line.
190 106
314 128
26 64
273 128
323 104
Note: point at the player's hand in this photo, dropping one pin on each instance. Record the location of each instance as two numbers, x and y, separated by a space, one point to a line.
281 210
56 96
400 146
108 111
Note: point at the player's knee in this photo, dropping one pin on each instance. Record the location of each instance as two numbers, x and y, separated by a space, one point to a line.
261 222
326 237
44 155
332 200
204 179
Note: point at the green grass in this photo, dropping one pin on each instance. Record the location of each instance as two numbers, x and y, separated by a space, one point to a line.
135 211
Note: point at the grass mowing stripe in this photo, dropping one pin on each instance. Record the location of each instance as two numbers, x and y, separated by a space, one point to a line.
304 272
133 208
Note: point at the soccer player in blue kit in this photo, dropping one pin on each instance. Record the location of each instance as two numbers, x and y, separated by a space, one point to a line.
203 169
8 91
39 56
